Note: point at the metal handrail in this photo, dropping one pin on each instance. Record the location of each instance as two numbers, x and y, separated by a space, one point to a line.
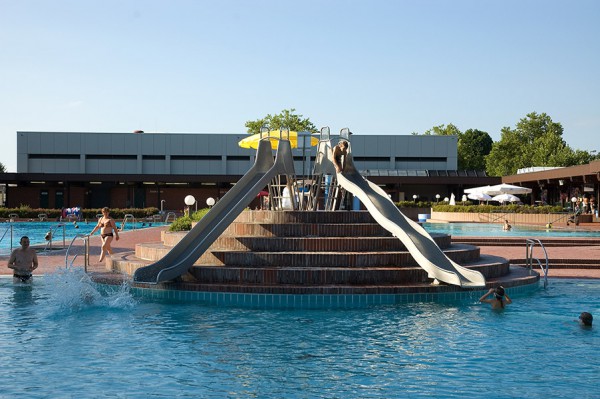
529 245
86 262
170 214
6 230
128 218
50 236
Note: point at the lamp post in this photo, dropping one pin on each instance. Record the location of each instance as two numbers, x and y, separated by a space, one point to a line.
190 200
437 198
415 197
210 201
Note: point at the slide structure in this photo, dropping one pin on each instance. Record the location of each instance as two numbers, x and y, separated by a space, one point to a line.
418 242
183 255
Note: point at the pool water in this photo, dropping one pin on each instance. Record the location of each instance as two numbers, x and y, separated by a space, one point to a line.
36 231
495 230
65 336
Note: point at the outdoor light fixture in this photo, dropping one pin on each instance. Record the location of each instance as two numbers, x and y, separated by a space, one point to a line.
210 201
574 199
561 182
190 200
415 197
437 197
446 199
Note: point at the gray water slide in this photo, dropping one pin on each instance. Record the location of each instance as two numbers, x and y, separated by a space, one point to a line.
418 242
183 255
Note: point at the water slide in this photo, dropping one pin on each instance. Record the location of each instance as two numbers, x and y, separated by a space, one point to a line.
418 242
183 255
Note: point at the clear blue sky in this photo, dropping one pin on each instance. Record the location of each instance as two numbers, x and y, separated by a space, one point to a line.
377 67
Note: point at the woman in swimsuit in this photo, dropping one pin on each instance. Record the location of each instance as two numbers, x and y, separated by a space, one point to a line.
108 229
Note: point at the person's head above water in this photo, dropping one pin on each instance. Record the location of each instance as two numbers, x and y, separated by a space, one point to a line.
499 293
586 318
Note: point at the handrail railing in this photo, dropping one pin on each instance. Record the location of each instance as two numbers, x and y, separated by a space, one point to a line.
169 216
6 230
43 217
50 235
529 246
86 261
498 217
128 218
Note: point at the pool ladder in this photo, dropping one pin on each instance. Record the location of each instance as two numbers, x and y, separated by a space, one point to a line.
86 261
530 243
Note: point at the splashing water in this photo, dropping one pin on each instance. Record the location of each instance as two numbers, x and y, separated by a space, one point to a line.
72 288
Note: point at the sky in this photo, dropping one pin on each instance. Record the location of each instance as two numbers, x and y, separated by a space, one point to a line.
374 66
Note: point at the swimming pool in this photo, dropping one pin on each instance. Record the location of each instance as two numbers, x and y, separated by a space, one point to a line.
36 231
495 230
65 336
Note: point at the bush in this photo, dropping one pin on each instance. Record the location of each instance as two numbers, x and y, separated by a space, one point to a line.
183 223
513 208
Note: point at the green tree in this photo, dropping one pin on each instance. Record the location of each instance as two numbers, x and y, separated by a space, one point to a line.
2 168
535 141
443 130
285 119
473 146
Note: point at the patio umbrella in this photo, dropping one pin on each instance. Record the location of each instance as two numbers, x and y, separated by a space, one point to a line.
479 196
506 189
477 190
505 198
273 135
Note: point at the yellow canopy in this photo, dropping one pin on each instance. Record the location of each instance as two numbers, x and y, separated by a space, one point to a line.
273 135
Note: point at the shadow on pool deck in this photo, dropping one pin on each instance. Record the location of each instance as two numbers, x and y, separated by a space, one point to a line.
577 256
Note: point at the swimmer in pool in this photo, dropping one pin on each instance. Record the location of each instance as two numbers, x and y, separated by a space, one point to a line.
499 299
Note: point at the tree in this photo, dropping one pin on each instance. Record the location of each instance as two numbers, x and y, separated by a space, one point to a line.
285 119
2 168
535 141
473 146
443 130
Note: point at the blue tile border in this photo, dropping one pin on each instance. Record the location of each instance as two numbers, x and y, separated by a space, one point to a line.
309 301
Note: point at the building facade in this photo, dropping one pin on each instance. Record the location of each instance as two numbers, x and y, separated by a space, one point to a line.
122 170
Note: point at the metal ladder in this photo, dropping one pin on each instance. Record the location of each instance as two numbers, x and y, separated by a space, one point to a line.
170 217
128 218
529 246
86 253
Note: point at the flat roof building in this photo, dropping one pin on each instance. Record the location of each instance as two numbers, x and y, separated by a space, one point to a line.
122 170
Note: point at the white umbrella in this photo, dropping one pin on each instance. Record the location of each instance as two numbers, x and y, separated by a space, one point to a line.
477 190
506 189
452 200
479 196
505 198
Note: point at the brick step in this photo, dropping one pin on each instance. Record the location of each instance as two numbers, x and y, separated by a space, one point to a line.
489 267
250 256
309 244
458 253
316 217
516 276
306 230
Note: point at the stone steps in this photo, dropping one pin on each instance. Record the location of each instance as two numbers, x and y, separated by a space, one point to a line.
307 252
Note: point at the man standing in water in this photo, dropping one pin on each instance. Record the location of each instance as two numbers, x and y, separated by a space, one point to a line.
23 261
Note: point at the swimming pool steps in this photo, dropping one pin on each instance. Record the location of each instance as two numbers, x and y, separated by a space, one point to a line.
312 252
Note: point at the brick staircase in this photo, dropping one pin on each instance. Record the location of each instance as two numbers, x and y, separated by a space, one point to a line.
314 253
